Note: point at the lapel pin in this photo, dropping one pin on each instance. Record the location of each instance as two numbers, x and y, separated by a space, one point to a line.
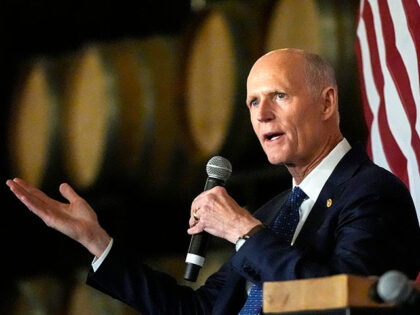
329 203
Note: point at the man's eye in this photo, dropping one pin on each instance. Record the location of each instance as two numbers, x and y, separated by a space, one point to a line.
253 103
280 95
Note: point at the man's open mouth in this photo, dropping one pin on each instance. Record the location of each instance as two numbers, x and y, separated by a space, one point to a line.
273 136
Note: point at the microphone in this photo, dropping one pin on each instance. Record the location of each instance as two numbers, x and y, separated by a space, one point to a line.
218 171
395 287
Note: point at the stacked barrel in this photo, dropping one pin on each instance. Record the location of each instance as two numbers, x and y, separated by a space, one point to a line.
136 110
139 112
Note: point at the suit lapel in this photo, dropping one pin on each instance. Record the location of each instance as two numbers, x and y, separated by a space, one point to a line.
332 189
269 211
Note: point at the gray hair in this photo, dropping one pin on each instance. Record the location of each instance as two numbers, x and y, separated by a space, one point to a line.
319 73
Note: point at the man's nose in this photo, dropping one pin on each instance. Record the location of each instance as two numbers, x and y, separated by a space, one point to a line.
265 111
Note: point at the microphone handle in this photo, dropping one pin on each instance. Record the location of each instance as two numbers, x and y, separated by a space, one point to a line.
199 243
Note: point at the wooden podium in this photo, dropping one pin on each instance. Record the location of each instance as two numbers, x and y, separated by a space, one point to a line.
340 294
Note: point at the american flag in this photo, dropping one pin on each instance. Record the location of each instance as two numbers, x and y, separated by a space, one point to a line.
388 51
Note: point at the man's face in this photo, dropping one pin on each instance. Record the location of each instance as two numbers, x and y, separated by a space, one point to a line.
285 115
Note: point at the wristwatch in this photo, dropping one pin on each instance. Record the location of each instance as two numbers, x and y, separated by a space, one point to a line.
242 239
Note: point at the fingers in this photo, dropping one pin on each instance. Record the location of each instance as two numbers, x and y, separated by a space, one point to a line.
27 190
194 218
218 190
15 188
68 192
30 192
29 200
195 214
76 219
18 189
203 206
215 212
192 222
196 228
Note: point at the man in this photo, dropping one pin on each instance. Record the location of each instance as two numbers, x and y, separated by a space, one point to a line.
345 214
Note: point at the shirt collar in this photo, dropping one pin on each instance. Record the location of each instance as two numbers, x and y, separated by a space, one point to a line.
313 183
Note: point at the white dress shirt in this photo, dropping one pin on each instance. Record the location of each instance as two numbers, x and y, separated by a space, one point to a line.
313 183
97 262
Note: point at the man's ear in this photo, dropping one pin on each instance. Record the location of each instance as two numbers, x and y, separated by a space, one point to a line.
329 100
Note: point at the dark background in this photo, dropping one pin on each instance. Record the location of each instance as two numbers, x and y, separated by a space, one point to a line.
149 223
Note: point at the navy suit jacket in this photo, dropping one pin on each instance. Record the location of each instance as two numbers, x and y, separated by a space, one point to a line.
370 228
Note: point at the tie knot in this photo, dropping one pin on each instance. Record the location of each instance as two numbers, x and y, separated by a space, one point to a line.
297 197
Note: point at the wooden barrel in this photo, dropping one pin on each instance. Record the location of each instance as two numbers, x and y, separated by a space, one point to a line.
318 26
40 295
147 150
119 119
327 28
294 24
90 115
34 125
136 102
221 45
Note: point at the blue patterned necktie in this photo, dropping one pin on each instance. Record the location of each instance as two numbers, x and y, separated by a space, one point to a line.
284 224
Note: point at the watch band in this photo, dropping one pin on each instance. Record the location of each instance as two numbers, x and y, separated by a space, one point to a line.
241 240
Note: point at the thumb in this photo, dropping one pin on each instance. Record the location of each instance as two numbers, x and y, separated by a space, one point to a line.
68 193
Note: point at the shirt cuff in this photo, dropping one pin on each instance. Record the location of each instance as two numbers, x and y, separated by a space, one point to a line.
97 262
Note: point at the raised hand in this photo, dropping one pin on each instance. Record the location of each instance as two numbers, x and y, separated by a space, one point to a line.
75 219
215 212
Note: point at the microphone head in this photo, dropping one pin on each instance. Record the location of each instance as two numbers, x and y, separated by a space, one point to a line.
218 167
394 286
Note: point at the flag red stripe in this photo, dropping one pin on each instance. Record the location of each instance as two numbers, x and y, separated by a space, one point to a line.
399 75
396 160
412 12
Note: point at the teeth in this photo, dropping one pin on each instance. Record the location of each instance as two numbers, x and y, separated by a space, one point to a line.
274 138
